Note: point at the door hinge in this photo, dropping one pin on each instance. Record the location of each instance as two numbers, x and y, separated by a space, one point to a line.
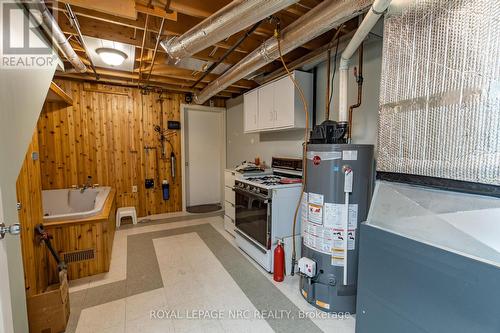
19 206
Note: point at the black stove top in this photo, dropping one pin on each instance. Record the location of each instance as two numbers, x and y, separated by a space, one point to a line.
270 180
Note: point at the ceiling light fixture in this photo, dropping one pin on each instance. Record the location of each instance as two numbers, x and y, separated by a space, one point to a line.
112 57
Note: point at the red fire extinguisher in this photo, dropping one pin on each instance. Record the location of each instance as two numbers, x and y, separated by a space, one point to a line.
279 263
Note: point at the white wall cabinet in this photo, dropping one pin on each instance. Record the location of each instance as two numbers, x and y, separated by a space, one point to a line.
277 105
251 106
265 109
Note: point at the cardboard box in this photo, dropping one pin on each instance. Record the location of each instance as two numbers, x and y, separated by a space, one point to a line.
48 312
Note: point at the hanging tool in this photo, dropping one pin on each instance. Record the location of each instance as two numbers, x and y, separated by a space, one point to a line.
45 237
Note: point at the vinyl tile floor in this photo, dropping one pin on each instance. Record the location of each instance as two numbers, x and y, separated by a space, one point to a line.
184 273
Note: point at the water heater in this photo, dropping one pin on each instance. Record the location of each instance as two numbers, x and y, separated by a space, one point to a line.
336 200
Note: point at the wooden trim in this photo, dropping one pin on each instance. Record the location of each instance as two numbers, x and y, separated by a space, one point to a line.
103 215
105 91
56 94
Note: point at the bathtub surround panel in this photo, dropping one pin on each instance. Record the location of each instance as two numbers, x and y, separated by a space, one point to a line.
79 238
103 135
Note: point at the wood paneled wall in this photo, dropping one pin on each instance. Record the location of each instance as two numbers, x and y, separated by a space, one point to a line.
103 135
29 194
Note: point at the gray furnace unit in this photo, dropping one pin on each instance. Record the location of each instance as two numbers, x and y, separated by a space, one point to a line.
336 200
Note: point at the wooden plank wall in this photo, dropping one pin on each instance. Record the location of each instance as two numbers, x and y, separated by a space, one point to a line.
29 194
103 135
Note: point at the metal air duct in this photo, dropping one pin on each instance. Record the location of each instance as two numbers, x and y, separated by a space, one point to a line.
44 18
234 17
322 18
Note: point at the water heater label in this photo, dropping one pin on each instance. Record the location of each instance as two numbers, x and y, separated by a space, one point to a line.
339 239
338 246
334 216
317 199
323 227
350 155
324 155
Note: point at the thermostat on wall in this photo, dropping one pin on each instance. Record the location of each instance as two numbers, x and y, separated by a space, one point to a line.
174 125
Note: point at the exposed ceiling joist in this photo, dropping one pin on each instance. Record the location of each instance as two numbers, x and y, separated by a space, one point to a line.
99 21
122 8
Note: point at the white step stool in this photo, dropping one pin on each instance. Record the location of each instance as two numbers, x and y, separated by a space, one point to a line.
125 212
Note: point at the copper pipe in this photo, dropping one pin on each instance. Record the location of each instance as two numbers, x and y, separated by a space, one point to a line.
359 80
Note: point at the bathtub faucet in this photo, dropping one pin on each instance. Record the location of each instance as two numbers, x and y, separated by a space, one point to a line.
87 184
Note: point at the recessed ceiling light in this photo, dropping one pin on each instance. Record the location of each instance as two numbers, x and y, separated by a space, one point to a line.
112 57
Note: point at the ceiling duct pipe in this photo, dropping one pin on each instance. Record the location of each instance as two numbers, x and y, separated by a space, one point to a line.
322 18
44 18
234 17
376 11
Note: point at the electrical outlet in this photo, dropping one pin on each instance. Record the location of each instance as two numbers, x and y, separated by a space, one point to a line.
134 188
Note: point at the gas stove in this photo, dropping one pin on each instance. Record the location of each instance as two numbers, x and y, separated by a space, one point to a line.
286 173
265 207
273 181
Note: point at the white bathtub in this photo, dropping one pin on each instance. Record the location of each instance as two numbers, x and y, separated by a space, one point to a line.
72 204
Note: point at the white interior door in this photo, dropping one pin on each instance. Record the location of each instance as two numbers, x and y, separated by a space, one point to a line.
5 305
205 155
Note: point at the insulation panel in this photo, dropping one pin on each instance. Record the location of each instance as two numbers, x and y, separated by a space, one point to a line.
440 87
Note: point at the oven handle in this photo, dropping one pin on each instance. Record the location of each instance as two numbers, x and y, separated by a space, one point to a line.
262 197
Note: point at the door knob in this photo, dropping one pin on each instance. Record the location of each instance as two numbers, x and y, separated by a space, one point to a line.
14 229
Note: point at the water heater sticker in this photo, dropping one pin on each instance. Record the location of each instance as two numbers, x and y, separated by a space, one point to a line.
324 155
304 209
350 155
339 239
315 214
317 199
338 258
338 246
318 238
334 216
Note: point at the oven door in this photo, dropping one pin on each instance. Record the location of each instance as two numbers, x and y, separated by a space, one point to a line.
253 217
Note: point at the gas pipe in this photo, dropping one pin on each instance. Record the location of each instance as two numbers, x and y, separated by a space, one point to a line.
279 263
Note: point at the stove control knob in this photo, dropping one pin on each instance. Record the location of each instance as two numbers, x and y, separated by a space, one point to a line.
248 187
257 190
